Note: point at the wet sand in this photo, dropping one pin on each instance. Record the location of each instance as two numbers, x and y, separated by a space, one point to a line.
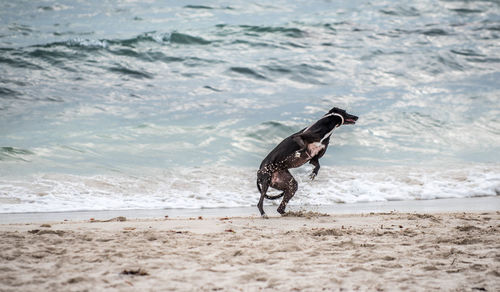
342 252
474 204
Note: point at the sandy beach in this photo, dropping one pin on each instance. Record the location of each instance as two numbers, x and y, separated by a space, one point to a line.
307 251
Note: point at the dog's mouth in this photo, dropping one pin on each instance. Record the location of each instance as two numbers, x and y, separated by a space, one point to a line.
350 120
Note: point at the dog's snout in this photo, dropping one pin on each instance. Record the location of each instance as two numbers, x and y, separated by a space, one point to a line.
350 119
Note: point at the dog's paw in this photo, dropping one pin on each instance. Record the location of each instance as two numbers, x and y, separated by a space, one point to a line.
312 175
264 216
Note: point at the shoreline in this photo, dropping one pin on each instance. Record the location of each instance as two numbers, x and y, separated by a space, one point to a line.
474 204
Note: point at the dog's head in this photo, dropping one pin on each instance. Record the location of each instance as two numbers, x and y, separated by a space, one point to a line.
348 119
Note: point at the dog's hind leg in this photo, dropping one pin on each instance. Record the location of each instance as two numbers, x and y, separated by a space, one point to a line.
284 181
263 181
275 197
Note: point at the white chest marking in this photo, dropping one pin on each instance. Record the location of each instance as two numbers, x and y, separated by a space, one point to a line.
314 148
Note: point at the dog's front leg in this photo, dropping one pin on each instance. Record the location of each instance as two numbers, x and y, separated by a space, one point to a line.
314 161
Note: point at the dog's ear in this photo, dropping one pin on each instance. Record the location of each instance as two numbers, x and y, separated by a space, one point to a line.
335 110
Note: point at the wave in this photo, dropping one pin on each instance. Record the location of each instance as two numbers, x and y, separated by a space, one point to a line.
204 7
268 131
256 44
54 56
76 50
248 72
398 32
84 43
130 72
197 7
17 62
148 56
401 11
466 10
185 39
303 73
14 154
434 32
153 37
466 52
205 187
484 60
173 38
8 93
287 31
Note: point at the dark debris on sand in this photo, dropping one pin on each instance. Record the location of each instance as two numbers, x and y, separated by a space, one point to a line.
305 214
137 272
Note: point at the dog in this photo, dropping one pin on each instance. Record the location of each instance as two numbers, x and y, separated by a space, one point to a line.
307 145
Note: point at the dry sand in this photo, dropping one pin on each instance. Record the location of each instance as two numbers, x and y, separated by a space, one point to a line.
372 252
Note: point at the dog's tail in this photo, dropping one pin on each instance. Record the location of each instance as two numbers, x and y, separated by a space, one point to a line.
269 197
274 197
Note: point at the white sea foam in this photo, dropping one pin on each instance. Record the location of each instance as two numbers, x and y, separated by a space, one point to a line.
232 187
87 43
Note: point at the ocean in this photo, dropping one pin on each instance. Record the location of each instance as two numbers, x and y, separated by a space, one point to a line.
114 105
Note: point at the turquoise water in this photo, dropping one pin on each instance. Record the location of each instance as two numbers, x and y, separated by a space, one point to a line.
131 104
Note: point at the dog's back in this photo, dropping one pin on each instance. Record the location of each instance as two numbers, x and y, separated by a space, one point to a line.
281 152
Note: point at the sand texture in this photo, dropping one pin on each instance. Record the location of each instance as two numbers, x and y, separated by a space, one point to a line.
304 252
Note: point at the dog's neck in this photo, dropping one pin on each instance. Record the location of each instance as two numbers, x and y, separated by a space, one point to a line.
335 114
326 116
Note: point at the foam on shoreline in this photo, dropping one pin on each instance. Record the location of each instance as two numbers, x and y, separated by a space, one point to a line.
230 187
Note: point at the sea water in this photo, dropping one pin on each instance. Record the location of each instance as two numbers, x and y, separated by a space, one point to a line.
173 104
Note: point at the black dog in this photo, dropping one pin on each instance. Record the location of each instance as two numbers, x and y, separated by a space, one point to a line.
309 144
